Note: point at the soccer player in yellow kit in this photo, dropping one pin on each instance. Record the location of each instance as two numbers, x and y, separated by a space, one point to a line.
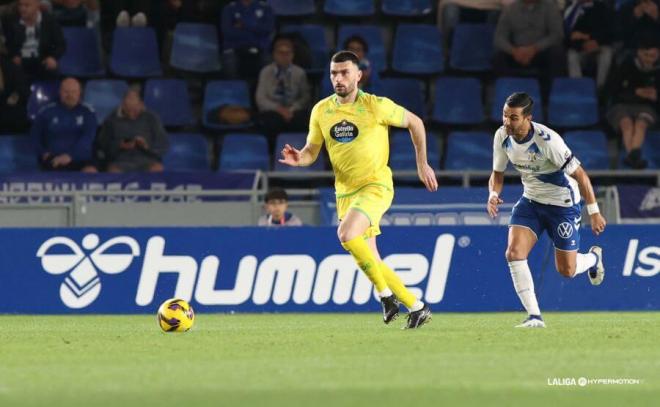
354 127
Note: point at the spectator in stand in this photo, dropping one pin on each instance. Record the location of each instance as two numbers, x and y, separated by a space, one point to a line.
529 37
63 131
276 205
34 41
589 26
76 13
634 89
640 21
14 93
132 139
283 93
370 80
247 29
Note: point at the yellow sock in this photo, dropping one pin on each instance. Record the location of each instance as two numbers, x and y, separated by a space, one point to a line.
396 285
360 251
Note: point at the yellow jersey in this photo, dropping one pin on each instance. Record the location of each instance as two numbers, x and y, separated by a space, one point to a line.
356 137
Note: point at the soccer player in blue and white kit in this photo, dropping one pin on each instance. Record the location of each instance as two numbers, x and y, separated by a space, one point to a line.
553 182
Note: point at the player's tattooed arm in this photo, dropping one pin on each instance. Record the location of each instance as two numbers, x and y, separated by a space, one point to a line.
495 184
598 222
415 126
300 158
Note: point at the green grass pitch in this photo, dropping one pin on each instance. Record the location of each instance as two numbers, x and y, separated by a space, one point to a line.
328 360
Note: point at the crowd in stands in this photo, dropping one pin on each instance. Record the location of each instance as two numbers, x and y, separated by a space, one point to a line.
257 67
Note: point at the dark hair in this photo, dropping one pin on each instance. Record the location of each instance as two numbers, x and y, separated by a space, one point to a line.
282 38
345 56
276 193
357 38
521 99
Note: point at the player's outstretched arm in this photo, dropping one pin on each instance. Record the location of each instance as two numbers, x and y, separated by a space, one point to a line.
598 222
495 184
418 135
300 158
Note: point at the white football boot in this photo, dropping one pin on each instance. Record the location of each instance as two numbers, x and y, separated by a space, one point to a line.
597 273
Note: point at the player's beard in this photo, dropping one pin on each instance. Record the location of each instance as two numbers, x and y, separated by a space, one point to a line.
347 91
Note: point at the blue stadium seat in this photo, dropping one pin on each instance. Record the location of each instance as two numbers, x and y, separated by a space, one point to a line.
590 147
506 86
469 150
104 96
458 101
651 149
573 103
41 94
406 8
135 52
293 8
402 152
170 100
418 49
373 35
244 152
17 154
472 47
349 8
409 93
187 152
195 48
314 35
82 57
296 140
224 92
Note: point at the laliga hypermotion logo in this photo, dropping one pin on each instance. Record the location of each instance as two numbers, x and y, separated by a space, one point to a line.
82 285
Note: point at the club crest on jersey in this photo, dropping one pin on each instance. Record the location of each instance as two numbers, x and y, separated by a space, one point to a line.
344 131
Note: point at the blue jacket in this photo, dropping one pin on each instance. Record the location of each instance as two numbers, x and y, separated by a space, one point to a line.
257 25
58 130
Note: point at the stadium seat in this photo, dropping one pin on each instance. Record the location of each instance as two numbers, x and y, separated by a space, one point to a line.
590 147
651 149
135 52
506 86
467 150
244 152
349 8
224 92
314 35
17 154
41 94
458 101
573 103
472 47
187 152
297 140
170 100
373 35
409 93
418 49
293 8
402 151
82 57
104 96
406 8
195 48
476 218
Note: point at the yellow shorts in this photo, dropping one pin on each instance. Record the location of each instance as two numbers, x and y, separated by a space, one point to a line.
373 200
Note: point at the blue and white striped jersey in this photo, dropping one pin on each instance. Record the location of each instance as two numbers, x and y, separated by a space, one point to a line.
544 162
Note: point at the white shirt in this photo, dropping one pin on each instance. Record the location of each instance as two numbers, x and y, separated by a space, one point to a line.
544 162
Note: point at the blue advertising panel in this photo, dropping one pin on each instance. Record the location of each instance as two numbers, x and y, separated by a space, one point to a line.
132 270
127 182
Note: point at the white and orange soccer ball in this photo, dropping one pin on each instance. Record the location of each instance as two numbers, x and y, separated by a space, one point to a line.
175 315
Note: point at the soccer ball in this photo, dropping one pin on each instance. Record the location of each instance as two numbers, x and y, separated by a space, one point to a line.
175 315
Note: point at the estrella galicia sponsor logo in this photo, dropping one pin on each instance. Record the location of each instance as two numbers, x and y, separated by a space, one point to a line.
344 131
82 285
565 230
